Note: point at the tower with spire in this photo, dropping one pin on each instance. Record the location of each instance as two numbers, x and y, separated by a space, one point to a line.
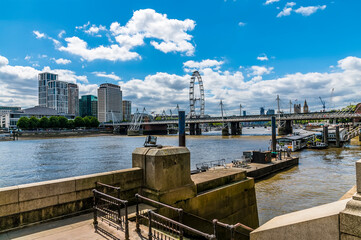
305 107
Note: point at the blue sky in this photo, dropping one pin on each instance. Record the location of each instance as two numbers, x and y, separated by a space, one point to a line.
247 51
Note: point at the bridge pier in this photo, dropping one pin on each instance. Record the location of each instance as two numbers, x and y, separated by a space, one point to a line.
235 128
285 128
198 129
192 129
338 143
325 135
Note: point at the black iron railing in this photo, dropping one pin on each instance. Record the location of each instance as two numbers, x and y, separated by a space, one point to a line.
232 228
112 210
139 198
203 166
163 228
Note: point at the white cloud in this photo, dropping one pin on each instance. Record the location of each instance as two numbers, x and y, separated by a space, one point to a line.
27 57
262 57
38 34
271 1
290 4
95 29
307 11
260 70
114 52
83 26
191 65
61 34
105 75
61 61
171 34
3 61
241 24
285 12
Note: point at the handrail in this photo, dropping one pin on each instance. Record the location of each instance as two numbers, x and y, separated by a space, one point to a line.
106 185
232 228
180 225
111 197
159 203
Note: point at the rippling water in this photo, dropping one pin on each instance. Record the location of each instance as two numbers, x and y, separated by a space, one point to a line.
322 176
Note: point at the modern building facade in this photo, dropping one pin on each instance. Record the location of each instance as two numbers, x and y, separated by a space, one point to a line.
110 103
261 111
88 106
73 99
127 110
57 96
270 112
43 79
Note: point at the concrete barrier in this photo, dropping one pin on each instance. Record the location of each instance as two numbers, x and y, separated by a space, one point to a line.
36 202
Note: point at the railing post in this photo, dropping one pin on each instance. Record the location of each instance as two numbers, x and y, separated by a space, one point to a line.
215 227
126 222
181 221
150 225
95 220
119 215
232 233
137 214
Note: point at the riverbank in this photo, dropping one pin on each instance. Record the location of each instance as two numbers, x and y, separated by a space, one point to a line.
63 134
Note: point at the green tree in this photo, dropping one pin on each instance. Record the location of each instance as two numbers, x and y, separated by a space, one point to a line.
44 122
87 122
33 122
94 122
70 124
23 123
53 122
79 122
62 122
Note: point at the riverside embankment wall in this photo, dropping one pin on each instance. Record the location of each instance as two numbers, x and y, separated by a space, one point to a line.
30 203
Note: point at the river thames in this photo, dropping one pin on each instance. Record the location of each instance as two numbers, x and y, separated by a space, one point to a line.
322 176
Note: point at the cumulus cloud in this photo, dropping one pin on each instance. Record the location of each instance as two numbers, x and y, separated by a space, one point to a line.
307 11
286 10
170 34
191 65
114 52
19 84
39 34
61 61
241 24
61 34
262 57
271 1
105 75
260 70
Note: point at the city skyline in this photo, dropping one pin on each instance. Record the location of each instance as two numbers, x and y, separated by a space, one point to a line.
247 52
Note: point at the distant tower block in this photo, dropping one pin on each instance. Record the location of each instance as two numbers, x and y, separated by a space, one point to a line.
297 108
305 107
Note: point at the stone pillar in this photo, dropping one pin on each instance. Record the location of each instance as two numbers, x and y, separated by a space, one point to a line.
233 128
338 143
166 173
192 129
325 134
198 129
350 218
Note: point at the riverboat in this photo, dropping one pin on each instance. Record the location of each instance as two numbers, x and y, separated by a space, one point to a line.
294 142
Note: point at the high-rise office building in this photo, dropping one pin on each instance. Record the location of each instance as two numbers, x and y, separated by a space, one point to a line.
73 99
127 110
57 96
88 106
261 111
109 103
43 79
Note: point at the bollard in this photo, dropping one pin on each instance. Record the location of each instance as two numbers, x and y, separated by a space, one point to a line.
182 128
273 120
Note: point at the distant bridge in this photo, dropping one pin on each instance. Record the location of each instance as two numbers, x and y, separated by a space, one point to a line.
254 118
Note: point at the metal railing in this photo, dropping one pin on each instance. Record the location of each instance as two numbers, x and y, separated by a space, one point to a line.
109 209
231 228
144 215
161 227
204 166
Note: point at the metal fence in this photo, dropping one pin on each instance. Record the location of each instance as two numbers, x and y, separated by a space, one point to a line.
111 210
163 228
203 166
232 229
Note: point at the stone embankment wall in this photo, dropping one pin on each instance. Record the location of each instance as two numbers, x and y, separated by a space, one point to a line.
35 202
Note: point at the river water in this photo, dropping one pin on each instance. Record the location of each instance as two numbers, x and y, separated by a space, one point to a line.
322 176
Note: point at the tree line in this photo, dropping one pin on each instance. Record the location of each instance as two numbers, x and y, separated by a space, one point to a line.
55 122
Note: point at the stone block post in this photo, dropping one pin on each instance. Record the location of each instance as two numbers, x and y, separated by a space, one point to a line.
166 173
350 218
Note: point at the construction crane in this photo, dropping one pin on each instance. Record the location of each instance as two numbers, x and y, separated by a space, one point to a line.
323 104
